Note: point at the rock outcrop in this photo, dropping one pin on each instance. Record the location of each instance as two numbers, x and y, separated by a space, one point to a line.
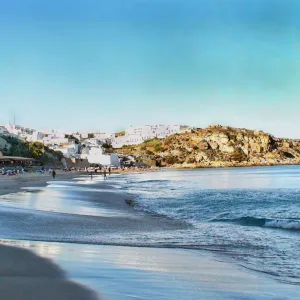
218 146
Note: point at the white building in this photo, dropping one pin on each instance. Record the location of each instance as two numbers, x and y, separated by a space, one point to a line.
20 132
52 140
104 136
92 142
36 136
69 150
56 138
137 135
84 135
95 155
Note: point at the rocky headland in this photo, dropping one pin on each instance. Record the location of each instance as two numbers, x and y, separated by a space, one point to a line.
217 146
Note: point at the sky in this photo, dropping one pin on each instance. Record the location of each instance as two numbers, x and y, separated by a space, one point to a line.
109 64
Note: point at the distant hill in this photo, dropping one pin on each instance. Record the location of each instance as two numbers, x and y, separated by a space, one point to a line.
217 146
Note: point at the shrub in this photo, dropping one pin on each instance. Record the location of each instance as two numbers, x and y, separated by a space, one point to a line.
153 142
191 160
159 148
171 160
148 152
238 155
121 133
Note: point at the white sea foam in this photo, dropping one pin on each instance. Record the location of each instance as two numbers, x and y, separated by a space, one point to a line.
284 224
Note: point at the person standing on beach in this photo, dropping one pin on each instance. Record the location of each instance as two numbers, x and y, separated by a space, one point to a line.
53 174
104 174
109 171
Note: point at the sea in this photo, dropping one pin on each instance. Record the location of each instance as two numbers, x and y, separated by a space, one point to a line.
248 217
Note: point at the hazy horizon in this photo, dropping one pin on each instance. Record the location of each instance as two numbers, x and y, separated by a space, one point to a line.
90 65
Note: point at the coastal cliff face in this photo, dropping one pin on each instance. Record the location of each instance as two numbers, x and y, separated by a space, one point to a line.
218 146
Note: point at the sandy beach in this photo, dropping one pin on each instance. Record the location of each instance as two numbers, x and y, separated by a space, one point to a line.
25 275
13 184
124 273
80 239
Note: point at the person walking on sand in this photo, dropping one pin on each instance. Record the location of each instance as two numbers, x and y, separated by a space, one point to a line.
53 174
104 174
109 170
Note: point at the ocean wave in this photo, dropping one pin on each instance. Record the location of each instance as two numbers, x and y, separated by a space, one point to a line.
153 181
290 224
284 224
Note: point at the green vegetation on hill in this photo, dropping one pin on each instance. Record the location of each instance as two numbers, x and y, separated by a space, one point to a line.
107 148
36 150
72 137
121 133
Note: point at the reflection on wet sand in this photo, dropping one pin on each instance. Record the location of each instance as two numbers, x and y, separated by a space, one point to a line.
27 276
147 273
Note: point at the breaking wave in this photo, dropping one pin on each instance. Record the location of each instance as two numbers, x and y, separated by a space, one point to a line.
289 224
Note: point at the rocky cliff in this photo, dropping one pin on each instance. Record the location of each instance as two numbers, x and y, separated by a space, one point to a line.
218 146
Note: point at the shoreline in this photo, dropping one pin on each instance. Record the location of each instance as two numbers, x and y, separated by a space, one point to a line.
190 167
52 229
120 272
14 184
25 275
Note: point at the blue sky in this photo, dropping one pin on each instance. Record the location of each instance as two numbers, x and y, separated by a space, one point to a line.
106 65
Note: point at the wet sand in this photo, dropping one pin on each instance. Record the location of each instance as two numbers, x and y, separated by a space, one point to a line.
27 276
24 275
48 215
13 184
124 273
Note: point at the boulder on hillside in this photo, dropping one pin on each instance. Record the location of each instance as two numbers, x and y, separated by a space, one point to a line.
255 147
227 148
203 145
286 144
213 145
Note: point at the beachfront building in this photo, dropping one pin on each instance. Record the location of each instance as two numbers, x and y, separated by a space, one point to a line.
95 155
14 161
137 135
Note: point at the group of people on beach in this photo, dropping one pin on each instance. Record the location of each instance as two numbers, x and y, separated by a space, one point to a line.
104 173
